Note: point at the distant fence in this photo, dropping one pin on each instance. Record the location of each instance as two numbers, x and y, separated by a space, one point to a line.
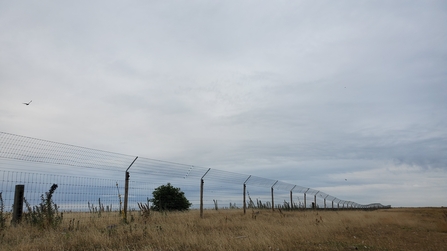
89 180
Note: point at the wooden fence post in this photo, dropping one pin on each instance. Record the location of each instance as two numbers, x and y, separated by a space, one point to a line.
304 200
18 204
305 205
201 198
201 193
243 199
126 194
126 190
315 200
273 199
245 191
291 200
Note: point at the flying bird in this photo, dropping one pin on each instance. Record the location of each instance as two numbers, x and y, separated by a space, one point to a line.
28 103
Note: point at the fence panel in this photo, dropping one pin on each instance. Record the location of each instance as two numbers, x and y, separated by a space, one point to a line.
92 181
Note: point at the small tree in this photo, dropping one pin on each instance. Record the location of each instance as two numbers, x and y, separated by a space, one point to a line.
167 197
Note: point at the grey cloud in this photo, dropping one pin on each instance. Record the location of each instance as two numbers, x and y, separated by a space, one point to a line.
308 88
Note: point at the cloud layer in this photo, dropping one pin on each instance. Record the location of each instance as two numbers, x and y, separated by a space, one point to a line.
299 91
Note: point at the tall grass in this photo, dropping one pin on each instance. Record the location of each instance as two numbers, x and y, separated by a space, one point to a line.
391 229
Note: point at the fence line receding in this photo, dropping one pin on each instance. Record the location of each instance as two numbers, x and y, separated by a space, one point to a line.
90 180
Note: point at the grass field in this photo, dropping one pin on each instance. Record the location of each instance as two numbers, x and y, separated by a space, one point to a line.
385 229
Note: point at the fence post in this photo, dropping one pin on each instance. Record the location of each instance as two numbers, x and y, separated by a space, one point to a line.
291 201
273 201
126 194
126 189
315 201
18 204
201 193
201 198
245 189
305 206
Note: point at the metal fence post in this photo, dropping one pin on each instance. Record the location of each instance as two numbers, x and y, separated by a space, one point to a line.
201 193
245 189
18 204
126 189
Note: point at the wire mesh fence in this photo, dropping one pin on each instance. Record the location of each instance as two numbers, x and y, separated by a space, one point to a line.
93 181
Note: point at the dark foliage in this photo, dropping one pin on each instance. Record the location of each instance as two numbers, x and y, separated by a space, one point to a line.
169 198
44 215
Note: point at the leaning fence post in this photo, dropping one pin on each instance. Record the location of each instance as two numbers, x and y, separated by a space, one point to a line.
18 204
201 193
126 189
245 189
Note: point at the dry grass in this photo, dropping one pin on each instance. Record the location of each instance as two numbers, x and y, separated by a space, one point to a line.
391 229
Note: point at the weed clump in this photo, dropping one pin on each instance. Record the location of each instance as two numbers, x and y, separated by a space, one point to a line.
145 209
46 214
2 214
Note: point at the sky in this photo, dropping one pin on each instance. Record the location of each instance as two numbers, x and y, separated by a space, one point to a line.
346 97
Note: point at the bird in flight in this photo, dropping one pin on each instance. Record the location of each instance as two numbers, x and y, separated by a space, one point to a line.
28 103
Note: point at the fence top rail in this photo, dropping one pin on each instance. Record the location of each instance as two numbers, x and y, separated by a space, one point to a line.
24 148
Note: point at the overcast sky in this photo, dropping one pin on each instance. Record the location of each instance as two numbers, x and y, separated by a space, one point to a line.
348 97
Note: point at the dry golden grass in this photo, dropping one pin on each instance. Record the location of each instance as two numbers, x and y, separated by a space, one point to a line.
390 229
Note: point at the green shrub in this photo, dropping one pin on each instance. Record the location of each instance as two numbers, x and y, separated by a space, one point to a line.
169 198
